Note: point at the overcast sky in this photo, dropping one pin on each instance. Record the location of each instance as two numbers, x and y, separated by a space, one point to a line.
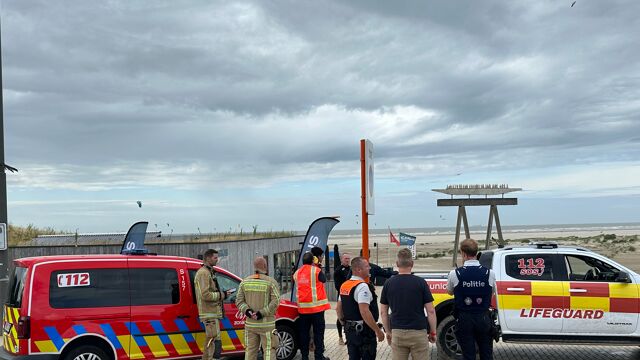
228 114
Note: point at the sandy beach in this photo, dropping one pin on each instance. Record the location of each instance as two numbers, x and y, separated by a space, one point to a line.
384 253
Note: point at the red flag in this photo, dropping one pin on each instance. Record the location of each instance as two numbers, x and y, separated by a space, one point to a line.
393 239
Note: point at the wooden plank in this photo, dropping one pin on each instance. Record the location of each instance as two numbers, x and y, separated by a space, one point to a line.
486 246
465 222
457 241
498 227
477 202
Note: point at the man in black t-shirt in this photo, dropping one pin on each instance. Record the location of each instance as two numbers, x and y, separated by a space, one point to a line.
408 296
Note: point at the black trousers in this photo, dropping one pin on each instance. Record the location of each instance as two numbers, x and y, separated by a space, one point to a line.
339 326
475 329
361 346
305 323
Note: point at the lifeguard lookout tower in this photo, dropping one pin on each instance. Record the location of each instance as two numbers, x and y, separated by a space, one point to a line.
490 195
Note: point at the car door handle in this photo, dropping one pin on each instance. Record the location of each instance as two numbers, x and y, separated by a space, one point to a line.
577 290
183 316
516 289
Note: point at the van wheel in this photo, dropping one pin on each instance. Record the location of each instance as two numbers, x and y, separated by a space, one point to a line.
288 346
87 352
447 342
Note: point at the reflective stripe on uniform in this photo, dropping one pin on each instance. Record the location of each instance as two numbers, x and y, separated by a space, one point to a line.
259 324
246 341
243 308
313 304
267 352
255 285
314 292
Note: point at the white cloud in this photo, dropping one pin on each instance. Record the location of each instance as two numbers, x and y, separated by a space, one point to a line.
193 96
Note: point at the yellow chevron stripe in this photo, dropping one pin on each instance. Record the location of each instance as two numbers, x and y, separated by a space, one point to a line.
242 340
134 350
124 341
12 314
11 343
46 346
14 332
227 344
200 338
180 344
156 346
8 313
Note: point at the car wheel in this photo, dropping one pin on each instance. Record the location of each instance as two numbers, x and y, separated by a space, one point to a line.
87 352
287 346
447 342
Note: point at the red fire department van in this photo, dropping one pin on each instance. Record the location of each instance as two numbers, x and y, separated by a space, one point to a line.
119 307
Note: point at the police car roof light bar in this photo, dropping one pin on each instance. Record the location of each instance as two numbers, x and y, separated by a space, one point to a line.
545 245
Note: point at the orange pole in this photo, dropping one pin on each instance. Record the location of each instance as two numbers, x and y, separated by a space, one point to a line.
365 216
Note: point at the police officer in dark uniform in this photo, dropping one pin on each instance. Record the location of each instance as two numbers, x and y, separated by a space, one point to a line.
358 309
342 273
472 286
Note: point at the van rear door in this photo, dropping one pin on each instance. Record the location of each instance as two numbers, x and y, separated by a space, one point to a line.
75 298
161 322
11 310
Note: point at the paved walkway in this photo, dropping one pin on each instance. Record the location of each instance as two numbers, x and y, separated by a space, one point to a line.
503 351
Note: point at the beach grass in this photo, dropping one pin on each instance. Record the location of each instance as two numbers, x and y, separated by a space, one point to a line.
23 234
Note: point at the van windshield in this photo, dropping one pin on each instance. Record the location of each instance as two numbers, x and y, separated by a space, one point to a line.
16 287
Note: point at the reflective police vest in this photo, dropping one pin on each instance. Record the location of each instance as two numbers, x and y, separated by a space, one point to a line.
312 297
473 292
350 307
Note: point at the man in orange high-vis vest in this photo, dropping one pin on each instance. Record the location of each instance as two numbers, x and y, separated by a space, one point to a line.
312 303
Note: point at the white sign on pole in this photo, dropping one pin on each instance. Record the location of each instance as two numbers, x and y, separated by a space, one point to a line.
414 253
368 166
3 236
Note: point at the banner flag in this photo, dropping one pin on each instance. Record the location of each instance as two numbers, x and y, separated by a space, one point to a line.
317 235
393 239
406 239
134 241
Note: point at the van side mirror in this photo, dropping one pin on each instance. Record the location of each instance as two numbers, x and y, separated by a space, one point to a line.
623 277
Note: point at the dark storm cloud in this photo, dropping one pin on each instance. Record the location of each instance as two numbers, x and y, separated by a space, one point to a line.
262 88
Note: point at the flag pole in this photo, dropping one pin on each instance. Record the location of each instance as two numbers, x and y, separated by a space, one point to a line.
365 216
388 247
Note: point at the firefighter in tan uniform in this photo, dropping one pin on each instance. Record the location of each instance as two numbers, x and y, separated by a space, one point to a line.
210 308
258 298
